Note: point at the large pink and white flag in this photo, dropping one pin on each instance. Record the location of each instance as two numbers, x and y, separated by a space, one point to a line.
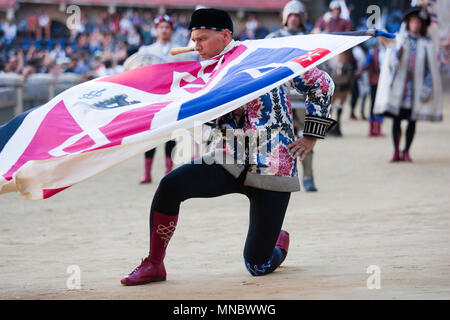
103 122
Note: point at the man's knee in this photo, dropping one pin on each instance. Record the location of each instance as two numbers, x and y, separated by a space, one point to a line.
259 269
169 183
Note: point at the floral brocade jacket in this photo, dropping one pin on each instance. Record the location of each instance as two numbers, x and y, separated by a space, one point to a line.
255 137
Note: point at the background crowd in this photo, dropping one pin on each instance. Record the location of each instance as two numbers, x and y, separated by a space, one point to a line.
99 45
103 41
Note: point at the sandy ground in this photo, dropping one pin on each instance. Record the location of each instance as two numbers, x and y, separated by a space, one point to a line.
368 212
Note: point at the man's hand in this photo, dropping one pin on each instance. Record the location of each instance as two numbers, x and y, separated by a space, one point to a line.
301 147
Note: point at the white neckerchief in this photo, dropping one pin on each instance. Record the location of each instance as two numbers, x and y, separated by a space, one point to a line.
229 46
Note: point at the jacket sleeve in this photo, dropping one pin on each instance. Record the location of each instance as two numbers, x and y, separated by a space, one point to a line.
318 87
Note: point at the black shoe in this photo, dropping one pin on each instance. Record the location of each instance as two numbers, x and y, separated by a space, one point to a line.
308 184
335 131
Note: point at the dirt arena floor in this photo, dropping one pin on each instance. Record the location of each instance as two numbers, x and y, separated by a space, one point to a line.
368 215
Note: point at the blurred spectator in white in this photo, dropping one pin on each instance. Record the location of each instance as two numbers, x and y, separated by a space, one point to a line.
125 23
250 27
133 39
57 52
44 24
253 29
9 32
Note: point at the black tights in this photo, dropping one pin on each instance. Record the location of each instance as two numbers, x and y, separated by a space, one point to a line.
397 132
267 208
169 146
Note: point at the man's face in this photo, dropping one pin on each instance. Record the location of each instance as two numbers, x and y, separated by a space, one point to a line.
293 21
164 31
209 43
336 12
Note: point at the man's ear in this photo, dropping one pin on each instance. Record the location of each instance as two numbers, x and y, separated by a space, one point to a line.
227 35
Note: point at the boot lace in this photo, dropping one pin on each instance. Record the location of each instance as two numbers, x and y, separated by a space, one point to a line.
143 260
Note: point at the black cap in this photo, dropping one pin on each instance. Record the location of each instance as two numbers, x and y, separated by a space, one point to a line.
418 12
209 18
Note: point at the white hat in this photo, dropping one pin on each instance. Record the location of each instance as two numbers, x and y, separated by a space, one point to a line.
335 5
294 7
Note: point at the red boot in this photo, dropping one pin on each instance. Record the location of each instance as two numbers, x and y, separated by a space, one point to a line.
405 156
372 128
377 128
169 164
396 156
146 272
283 242
147 177
152 268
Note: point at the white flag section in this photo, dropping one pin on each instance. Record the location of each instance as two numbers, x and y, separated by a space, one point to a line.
103 122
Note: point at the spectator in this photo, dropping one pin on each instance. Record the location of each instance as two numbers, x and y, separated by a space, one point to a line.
107 69
110 37
114 23
97 67
136 20
254 29
44 23
82 65
95 41
134 39
146 33
181 34
250 27
68 51
82 43
10 32
15 62
125 23
57 52
32 25
71 66
120 52
121 36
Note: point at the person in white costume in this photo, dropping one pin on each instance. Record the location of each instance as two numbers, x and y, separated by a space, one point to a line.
158 52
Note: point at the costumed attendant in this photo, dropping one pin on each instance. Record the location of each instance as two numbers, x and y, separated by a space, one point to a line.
415 92
265 178
160 51
360 87
343 66
373 63
294 18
